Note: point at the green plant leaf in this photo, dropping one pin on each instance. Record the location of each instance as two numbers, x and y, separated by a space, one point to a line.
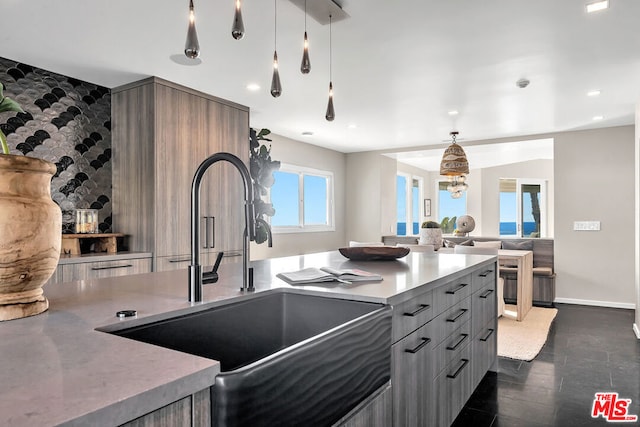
8 104
3 142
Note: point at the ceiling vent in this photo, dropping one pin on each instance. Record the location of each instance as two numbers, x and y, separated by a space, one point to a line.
321 9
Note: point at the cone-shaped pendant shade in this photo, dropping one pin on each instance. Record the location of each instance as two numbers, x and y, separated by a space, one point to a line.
237 30
276 87
191 46
331 114
305 66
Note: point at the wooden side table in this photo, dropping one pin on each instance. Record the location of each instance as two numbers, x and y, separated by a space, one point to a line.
104 242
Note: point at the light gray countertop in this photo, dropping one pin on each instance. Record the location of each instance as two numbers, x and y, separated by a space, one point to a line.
57 369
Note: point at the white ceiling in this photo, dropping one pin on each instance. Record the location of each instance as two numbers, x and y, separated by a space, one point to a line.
398 66
482 155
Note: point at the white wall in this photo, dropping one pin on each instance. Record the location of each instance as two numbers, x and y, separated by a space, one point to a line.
298 153
594 180
636 326
371 196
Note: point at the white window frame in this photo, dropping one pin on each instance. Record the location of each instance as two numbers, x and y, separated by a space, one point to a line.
409 201
520 182
301 171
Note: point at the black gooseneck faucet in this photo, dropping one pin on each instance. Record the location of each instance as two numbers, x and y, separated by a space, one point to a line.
195 269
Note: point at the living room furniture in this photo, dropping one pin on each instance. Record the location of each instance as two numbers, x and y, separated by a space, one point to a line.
522 261
544 276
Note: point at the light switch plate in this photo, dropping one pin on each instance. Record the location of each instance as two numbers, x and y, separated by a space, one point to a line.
586 225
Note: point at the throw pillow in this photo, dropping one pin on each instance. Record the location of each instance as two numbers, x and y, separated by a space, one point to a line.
497 244
524 245
450 243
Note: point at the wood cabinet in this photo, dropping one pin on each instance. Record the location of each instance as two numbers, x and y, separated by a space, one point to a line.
444 342
194 410
100 266
161 132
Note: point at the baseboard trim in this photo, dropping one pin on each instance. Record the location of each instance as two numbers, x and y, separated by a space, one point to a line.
596 303
636 330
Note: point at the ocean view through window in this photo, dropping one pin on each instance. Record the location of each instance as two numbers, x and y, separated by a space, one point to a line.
408 196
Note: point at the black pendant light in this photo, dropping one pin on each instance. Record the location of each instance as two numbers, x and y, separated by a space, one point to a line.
305 66
331 113
237 30
276 87
191 46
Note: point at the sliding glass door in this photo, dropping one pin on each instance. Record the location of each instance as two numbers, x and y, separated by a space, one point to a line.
523 208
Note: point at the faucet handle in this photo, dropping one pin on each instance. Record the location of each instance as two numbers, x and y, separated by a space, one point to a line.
212 276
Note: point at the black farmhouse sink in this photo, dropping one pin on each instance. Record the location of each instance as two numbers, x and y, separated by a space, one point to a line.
286 358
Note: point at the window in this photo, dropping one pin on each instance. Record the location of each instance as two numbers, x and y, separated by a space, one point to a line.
450 208
523 210
408 195
303 200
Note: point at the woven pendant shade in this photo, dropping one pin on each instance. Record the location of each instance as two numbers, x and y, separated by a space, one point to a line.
454 160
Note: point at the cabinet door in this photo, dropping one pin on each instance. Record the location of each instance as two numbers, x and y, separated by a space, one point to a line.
412 379
227 131
484 353
453 387
181 134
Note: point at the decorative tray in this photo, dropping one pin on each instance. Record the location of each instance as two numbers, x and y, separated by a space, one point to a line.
374 253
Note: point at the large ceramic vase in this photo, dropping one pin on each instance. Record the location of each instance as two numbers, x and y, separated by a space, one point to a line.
30 235
431 236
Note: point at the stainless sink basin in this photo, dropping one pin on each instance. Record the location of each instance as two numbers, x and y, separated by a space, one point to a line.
286 358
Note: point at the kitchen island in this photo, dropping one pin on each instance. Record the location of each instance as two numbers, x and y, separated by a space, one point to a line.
58 370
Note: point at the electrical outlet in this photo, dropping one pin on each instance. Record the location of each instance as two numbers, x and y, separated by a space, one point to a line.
586 225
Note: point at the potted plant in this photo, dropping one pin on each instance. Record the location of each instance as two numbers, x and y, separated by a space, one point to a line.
30 229
261 167
431 234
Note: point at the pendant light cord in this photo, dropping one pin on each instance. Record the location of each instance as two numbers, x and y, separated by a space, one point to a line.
305 16
330 49
275 25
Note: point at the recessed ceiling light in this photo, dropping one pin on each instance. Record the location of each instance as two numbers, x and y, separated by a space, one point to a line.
352 126
597 118
593 93
307 133
253 87
453 113
598 5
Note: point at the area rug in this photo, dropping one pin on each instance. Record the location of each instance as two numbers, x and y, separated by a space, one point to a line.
524 340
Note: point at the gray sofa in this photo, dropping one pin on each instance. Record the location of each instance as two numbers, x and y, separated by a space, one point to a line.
544 276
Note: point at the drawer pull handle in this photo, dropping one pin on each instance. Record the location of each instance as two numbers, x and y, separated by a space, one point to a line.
460 368
487 336
486 294
420 309
457 316
112 267
485 273
460 286
180 260
460 341
416 349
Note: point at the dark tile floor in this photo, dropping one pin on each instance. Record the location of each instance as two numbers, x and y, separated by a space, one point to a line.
589 350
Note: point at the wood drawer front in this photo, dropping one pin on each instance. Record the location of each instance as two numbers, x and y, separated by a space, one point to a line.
451 347
484 352
450 294
207 259
446 323
410 315
483 307
483 276
453 387
102 269
412 378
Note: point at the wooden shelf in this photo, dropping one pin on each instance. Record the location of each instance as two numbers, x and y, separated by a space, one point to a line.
103 242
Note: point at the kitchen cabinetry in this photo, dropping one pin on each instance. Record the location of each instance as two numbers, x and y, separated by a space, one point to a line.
161 132
194 410
99 266
443 344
